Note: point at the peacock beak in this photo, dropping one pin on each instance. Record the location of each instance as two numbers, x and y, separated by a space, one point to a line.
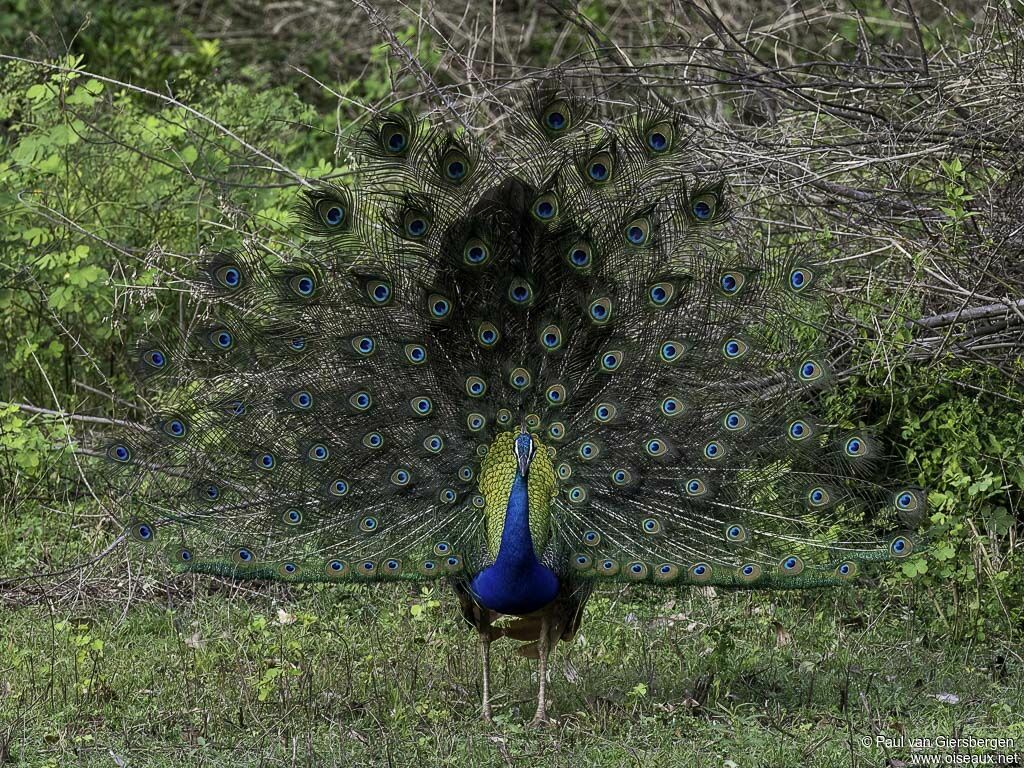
524 463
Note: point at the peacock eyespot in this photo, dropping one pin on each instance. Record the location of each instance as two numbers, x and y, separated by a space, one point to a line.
810 371
591 538
900 547
363 346
564 471
577 494
394 138
671 407
392 566
588 451
855 447
222 339
302 400
476 422
846 570
581 561
555 394
455 165
791 565
228 276
415 353
695 487
416 225
660 295
297 345
638 231
211 492
433 443
703 207
556 118
466 473
735 533
339 487
184 555
671 351
655 447
605 412
373 440
908 500
551 337
611 361
361 400
336 568
379 292
266 461
143 532
732 282
735 421
700 572
330 212
799 430
580 256
651 525
487 334
475 253
600 310
475 386
520 379
520 292
800 278
545 207
714 450
369 524
556 430
734 349
303 285
448 496
818 497
421 406
659 137
439 306
599 169
442 548
174 427
154 358
636 571
749 572
292 517
244 555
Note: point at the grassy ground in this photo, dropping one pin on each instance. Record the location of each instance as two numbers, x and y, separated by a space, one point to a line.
202 673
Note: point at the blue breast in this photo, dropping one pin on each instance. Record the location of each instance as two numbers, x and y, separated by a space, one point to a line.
516 583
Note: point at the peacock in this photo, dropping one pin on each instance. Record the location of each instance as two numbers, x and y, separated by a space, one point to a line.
527 360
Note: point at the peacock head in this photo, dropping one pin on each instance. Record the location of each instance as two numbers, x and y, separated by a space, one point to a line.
524 449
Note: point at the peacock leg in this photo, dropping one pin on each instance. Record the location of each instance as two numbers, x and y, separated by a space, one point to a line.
541 716
485 654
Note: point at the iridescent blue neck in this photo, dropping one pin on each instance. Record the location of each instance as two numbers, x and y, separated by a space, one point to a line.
516 583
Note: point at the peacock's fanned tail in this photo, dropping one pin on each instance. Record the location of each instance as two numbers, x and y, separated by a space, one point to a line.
327 417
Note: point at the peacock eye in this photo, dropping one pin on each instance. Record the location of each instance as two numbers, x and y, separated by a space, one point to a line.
421 406
154 358
229 277
659 137
475 253
222 339
735 421
440 307
520 292
551 337
475 386
302 285
732 282
394 138
415 353
638 231
810 371
671 351
600 310
379 292
611 361
556 118
487 334
735 349
455 166
671 406
555 394
579 256
520 379
703 207
599 169
331 212
800 278
660 295
416 224
545 207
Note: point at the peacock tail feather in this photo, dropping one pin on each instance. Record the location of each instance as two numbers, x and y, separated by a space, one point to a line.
349 413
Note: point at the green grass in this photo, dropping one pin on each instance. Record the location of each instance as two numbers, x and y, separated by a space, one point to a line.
204 673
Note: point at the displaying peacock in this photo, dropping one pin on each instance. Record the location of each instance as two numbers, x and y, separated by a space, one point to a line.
527 365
